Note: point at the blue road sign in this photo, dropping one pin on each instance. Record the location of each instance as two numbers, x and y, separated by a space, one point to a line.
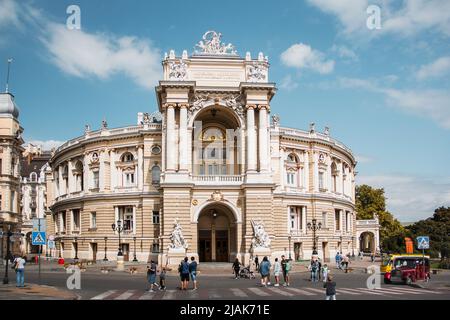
423 242
38 238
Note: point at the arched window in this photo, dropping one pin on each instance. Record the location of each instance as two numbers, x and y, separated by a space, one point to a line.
156 175
128 157
79 176
292 170
33 177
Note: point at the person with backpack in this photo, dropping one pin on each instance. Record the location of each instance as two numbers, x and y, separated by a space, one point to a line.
330 285
151 275
264 269
193 272
184 273
19 267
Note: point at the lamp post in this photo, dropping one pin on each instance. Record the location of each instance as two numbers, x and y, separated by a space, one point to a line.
314 226
340 239
60 248
290 237
353 246
76 249
8 255
106 250
135 259
119 229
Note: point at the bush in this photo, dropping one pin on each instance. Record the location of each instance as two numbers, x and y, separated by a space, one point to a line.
444 264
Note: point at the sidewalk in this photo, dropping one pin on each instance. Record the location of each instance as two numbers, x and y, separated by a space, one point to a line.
35 292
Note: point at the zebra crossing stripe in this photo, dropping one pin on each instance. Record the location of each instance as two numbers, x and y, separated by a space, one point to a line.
125 295
169 295
239 293
388 291
300 291
401 290
213 294
282 292
420 290
346 291
104 295
321 291
147 296
259 292
369 291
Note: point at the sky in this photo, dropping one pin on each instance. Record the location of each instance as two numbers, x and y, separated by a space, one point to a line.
383 89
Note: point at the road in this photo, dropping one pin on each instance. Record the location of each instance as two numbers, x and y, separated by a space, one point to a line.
352 286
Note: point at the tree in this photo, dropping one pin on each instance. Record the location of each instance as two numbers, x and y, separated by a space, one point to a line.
438 229
371 202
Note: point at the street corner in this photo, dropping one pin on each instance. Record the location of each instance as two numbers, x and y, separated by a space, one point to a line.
35 292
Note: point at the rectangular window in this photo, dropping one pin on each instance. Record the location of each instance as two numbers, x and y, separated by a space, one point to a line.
321 182
96 180
129 179
337 219
63 221
126 215
93 220
155 217
295 214
76 219
324 220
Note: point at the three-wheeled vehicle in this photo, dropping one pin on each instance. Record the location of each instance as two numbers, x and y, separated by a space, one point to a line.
408 269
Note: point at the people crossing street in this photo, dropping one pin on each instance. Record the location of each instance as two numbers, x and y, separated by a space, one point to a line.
277 272
162 279
324 271
264 270
19 267
151 275
314 269
236 268
285 268
193 272
256 263
330 286
183 269
338 259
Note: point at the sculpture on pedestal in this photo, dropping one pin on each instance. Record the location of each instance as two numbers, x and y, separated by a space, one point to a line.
261 238
177 238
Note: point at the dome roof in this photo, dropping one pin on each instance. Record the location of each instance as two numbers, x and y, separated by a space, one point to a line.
7 105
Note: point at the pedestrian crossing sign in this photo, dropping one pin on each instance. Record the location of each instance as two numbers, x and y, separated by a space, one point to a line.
38 238
423 243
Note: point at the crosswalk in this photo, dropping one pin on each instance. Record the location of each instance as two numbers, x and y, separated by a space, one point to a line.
260 292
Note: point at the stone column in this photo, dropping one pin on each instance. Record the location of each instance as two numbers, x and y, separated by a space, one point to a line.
70 177
340 178
263 146
183 158
306 171
251 138
170 144
101 170
316 171
61 181
140 168
304 213
86 175
113 169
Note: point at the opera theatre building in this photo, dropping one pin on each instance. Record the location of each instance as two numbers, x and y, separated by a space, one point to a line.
213 174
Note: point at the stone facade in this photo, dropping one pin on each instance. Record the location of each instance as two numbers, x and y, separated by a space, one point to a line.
211 160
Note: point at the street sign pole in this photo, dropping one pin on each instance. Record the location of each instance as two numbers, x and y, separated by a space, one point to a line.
39 252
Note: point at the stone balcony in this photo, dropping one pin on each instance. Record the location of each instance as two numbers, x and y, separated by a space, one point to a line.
218 179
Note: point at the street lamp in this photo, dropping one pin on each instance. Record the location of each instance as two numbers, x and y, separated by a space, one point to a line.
8 254
118 228
76 249
135 259
314 226
340 239
106 249
289 237
353 246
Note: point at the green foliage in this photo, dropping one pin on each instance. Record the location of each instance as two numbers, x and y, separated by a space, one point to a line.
371 202
438 229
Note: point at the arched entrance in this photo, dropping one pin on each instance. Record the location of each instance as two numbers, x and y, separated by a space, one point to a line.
367 242
217 234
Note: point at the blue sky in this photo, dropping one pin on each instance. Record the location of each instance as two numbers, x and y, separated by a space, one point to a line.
384 92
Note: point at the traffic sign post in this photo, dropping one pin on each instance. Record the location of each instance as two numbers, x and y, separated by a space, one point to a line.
38 237
423 242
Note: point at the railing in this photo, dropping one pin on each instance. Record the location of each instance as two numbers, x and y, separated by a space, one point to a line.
232 179
366 222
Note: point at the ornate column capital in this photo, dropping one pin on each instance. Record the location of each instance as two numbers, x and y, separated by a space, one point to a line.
264 106
183 105
170 105
251 107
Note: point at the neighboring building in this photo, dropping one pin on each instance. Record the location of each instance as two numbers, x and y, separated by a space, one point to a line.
10 153
368 235
33 197
210 177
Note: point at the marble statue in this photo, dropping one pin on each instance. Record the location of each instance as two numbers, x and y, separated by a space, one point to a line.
177 239
260 236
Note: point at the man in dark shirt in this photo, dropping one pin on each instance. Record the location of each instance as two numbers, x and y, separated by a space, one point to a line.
193 272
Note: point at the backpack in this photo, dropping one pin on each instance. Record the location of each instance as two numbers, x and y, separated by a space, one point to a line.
185 267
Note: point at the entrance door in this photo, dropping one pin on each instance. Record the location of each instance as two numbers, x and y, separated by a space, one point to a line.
94 251
222 245
326 258
204 246
297 249
126 251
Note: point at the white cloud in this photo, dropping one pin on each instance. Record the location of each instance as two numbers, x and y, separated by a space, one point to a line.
83 54
429 103
46 145
302 56
411 198
345 52
363 159
435 69
288 84
408 19
9 13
